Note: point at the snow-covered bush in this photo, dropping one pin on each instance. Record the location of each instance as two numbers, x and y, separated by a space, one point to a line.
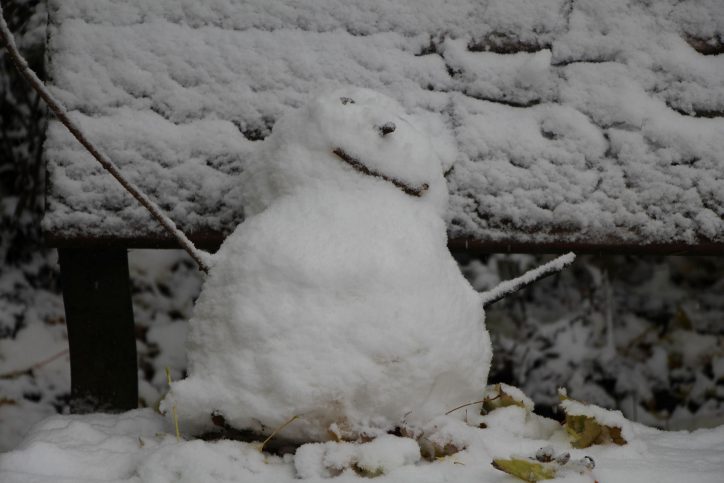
641 334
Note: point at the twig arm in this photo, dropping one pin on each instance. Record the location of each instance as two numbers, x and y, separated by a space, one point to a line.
508 287
62 114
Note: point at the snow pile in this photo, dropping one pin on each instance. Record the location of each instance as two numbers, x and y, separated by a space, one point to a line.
338 303
136 447
584 121
380 456
81 447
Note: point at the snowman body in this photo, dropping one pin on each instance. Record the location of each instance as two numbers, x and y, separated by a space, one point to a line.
336 300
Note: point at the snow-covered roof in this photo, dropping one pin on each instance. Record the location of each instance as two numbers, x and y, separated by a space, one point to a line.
586 122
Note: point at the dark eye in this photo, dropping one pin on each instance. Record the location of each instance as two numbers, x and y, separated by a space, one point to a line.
387 128
346 100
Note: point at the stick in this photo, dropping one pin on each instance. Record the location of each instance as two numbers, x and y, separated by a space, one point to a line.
360 166
37 365
261 446
508 287
465 405
62 114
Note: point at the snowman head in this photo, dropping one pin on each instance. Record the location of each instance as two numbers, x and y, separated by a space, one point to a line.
346 139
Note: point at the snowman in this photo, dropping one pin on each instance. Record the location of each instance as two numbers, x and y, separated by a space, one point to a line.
336 302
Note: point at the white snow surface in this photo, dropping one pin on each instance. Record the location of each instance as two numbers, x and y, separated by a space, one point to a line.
339 301
136 447
577 121
381 455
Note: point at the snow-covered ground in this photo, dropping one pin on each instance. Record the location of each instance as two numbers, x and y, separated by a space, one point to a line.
139 446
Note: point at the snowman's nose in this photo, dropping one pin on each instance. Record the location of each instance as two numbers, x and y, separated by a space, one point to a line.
387 128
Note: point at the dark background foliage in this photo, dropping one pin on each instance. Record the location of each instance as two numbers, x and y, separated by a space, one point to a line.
641 334
22 131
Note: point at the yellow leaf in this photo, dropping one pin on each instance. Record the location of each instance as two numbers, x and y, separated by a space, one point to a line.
433 450
499 399
526 470
585 431
368 472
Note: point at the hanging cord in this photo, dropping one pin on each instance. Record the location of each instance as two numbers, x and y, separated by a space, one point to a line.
201 257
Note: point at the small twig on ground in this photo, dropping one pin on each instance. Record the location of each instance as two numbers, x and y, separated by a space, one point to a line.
37 365
508 287
261 446
464 406
62 114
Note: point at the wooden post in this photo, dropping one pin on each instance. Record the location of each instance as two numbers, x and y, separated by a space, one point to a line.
99 316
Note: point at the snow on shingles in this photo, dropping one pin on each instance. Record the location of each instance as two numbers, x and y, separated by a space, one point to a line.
520 78
174 166
609 143
701 19
364 18
167 102
612 147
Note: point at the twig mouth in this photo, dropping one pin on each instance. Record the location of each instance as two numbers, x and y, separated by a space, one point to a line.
362 168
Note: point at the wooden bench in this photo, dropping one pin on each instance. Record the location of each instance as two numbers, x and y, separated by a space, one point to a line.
562 142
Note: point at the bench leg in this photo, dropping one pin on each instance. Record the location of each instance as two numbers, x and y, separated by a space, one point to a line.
99 316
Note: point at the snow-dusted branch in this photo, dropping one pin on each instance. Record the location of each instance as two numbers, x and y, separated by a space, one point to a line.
62 114
506 288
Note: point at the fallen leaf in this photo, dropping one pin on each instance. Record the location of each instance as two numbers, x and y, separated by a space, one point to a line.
584 430
526 469
499 399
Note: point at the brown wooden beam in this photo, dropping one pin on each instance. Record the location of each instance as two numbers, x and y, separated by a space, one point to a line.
211 240
99 316
206 240
610 247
